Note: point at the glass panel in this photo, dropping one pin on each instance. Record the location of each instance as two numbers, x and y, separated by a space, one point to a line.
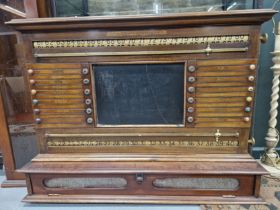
139 94
69 8
198 183
78 183
141 7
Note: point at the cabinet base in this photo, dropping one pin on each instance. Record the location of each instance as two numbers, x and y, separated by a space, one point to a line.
87 178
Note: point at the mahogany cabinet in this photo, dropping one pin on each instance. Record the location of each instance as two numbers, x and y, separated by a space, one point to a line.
143 109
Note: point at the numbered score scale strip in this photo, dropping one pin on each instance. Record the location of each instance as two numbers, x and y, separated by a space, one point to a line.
145 42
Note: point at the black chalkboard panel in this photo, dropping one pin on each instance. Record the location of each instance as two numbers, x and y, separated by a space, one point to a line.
139 94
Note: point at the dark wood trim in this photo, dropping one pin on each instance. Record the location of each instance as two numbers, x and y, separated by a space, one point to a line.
6 147
257 186
44 8
1 160
13 183
237 17
143 199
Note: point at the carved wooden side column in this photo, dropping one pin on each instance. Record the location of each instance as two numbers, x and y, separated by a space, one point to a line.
271 157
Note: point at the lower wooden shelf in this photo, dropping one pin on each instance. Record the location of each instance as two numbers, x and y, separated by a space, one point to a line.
160 179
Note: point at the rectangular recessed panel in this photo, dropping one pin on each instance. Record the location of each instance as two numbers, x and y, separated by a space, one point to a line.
80 183
197 183
141 94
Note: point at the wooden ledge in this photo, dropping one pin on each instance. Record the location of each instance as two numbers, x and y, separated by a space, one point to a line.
190 165
143 199
234 17
68 157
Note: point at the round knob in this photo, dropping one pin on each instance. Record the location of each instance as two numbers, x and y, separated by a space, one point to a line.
190 109
252 67
264 38
32 81
30 71
249 99
190 100
35 101
250 89
87 92
86 81
191 79
36 111
89 120
33 92
251 78
85 71
246 119
38 120
191 89
88 101
88 110
190 119
139 178
247 109
191 68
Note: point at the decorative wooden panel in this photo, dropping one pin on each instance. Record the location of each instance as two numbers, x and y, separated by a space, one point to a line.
58 94
224 92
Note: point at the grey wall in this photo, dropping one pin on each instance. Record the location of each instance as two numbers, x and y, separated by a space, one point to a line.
264 82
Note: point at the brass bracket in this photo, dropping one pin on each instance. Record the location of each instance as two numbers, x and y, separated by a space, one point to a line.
252 141
139 178
264 38
208 50
217 135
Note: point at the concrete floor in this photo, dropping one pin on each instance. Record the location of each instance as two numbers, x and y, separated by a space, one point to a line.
10 199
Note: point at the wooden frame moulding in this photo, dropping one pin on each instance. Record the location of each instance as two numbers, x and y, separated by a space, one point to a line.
13 178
